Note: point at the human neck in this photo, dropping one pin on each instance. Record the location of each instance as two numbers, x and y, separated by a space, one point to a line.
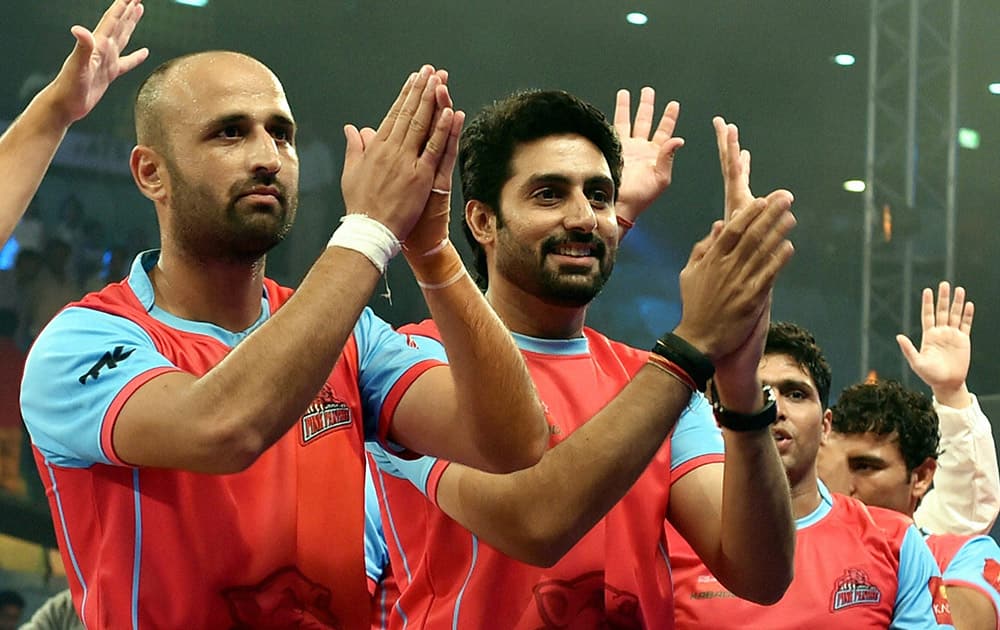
526 314
224 293
805 495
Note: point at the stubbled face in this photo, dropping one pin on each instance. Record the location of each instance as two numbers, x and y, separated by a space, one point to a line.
870 468
230 158
557 237
802 423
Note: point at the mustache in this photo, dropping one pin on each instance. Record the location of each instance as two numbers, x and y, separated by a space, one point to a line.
266 180
595 242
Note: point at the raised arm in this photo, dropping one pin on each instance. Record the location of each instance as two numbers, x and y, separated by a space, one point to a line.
579 480
725 528
966 495
482 410
648 162
28 145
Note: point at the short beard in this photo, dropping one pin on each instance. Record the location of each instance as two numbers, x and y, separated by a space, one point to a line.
229 236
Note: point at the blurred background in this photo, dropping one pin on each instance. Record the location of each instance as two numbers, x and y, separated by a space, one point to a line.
895 95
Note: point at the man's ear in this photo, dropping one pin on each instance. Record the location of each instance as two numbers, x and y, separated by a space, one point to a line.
149 172
482 221
921 478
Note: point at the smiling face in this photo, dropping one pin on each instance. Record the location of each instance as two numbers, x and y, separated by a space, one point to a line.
556 236
802 424
225 156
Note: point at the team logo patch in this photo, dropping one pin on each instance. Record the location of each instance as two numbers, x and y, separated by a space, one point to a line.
325 414
854 589
586 602
939 601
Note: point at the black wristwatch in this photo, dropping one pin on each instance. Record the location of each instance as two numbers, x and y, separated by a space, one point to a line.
748 421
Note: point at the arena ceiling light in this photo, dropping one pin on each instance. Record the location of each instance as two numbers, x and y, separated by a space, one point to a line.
844 59
854 185
637 18
192 3
994 88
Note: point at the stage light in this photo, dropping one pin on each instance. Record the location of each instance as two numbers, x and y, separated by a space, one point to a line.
844 59
854 185
192 3
636 18
994 88
968 138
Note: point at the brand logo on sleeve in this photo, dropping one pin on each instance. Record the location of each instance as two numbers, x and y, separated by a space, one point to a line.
939 601
326 414
110 360
854 589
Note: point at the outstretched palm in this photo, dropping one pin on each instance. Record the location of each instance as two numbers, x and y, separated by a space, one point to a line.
945 347
97 59
648 163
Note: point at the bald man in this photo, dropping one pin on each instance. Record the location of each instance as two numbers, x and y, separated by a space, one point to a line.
199 429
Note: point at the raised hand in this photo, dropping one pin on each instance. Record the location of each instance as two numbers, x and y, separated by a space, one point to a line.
389 172
735 163
431 231
97 59
945 348
726 293
648 163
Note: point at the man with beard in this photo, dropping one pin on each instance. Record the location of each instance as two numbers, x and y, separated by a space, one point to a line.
540 176
200 429
855 566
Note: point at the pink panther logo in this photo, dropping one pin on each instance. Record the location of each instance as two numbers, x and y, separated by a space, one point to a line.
286 600
586 603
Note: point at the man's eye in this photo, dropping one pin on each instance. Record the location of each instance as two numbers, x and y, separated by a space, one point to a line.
599 196
546 193
283 135
230 131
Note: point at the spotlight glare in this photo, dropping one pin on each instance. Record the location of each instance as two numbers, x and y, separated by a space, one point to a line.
192 3
844 59
994 88
968 138
636 18
854 185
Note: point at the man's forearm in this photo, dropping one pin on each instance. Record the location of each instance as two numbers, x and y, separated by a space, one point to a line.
499 407
26 150
758 530
536 515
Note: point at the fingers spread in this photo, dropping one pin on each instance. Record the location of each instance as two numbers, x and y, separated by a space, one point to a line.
668 122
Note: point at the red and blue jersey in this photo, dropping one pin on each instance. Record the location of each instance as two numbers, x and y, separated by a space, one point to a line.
278 545
969 562
855 567
617 575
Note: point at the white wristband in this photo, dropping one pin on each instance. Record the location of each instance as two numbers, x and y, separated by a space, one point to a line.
367 236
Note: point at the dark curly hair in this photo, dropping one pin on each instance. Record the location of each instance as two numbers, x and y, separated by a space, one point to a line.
798 343
488 143
886 408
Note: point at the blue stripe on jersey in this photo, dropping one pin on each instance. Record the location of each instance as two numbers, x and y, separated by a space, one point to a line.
57 493
136 562
376 553
914 603
461 593
392 528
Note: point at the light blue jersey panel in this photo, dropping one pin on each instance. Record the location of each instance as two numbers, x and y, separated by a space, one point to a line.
970 563
376 552
696 434
384 356
914 603
76 368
